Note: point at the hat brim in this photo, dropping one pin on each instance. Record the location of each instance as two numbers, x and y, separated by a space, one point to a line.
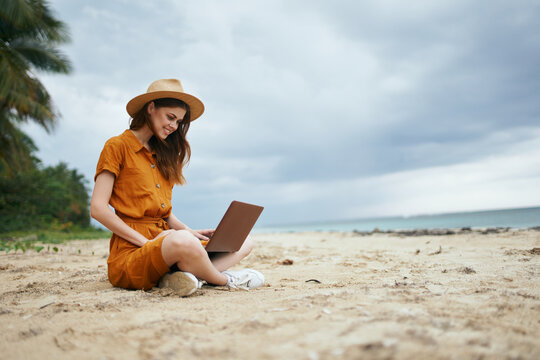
196 107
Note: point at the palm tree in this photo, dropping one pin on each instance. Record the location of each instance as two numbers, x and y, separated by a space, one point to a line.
29 35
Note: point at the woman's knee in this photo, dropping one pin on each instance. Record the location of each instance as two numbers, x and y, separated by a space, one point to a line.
181 244
247 247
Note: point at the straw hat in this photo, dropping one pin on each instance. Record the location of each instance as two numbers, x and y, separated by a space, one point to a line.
166 88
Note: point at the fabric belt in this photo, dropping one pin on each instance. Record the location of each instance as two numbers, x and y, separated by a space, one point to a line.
159 222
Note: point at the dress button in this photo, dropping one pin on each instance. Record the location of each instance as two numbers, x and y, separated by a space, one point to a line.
153 166
157 185
162 205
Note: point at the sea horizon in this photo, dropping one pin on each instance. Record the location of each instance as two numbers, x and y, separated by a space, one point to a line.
519 218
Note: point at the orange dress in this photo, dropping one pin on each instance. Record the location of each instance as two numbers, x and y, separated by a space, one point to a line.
141 196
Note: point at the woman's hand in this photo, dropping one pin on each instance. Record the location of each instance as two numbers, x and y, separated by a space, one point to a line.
204 235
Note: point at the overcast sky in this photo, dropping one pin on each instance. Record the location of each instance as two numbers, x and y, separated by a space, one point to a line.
317 110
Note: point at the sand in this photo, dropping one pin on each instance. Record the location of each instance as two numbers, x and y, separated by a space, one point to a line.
344 296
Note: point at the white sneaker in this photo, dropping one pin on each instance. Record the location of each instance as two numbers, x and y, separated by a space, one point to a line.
244 279
183 283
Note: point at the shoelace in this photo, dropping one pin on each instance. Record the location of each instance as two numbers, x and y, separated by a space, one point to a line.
232 280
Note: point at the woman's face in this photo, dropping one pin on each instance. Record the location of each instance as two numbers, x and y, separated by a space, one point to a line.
165 119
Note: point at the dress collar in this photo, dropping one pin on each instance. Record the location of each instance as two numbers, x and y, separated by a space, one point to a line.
134 144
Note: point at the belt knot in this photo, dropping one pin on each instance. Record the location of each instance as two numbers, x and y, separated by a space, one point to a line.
157 221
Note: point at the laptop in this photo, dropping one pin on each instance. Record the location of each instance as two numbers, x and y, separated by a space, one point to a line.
234 227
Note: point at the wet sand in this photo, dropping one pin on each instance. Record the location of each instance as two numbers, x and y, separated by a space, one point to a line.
328 296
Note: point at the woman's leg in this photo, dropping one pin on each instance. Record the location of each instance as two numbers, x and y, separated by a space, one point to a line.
185 250
223 261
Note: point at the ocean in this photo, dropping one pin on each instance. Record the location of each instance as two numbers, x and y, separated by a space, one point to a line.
513 218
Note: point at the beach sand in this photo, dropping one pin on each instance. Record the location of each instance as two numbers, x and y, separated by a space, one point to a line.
344 296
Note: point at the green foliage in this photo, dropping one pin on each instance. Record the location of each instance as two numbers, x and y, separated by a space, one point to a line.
29 240
53 198
31 197
29 36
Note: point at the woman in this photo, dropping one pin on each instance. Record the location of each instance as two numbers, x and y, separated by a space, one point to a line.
135 174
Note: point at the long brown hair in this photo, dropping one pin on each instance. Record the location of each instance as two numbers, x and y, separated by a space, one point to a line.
173 153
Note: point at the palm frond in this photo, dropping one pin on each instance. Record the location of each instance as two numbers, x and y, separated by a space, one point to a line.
16 148
29 34
16 12
13 70
30 18
24 95
51 28
37 107
42 56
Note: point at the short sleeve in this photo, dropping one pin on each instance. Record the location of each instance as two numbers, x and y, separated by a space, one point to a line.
111 158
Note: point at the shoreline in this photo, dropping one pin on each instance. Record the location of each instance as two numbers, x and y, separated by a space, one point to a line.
416 231
448 231
329 295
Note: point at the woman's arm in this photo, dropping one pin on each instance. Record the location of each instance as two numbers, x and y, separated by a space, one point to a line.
176 224
99 210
